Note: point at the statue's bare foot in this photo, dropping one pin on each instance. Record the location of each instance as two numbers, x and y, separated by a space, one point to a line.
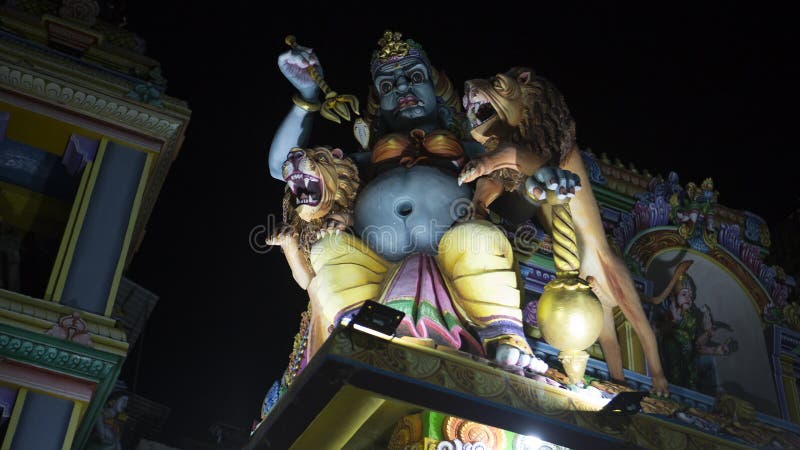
512 356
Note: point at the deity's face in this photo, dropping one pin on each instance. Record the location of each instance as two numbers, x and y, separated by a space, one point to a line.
684 298
407 94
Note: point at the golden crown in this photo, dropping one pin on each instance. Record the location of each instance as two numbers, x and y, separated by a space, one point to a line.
390 45
392 48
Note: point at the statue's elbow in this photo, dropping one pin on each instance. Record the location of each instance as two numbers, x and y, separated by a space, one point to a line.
276 173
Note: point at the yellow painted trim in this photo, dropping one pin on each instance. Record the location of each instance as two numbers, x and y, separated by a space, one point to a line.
346 413
7 298
26 126
68 231
126 243
790 391
74 420
38 130
32 211
13 421
84 206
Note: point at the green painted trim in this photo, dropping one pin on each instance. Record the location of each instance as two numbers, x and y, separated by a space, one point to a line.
432 425
57 355
84 206
68 232
13 421
607 197
539 260
67 358
101 393
126 243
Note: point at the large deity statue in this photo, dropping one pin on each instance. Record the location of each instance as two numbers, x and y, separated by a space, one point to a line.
409 246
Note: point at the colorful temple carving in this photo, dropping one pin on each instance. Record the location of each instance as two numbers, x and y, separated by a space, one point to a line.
87 136
442 376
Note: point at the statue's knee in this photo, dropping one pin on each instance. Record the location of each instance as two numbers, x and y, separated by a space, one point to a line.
480 245
473 237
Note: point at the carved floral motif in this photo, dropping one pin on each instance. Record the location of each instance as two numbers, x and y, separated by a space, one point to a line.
457 429
47 355
90 102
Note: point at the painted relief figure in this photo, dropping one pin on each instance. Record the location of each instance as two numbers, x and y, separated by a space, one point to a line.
687 333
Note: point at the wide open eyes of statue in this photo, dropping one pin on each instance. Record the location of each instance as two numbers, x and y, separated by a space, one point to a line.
416 76
385 86
412 74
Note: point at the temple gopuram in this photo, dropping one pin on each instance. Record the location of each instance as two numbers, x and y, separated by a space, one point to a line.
87 136
731 358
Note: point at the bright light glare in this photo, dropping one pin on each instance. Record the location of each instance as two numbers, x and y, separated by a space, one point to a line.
532 443
364 329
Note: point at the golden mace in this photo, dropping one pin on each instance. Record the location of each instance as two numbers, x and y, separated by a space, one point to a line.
570 316
334 105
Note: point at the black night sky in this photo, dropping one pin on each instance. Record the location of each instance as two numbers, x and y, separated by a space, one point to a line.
705 92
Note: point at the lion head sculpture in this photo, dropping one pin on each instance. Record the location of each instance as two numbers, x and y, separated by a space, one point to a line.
321 184
521 107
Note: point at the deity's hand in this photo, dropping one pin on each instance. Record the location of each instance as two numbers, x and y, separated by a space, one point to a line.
512 356
294 65
332 226
563 182
286 236
660 386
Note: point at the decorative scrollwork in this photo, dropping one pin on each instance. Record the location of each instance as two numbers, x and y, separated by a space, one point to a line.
127 113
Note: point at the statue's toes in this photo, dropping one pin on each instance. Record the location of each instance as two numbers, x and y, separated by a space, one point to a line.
507 355
537 365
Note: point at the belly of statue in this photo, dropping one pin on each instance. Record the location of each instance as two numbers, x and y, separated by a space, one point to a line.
407 210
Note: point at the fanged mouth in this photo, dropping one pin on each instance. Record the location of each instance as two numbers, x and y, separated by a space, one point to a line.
479 112
407 102
307 189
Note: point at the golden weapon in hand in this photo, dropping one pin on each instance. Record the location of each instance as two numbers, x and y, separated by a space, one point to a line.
334 105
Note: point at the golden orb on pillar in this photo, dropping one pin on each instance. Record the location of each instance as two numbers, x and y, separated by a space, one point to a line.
570 318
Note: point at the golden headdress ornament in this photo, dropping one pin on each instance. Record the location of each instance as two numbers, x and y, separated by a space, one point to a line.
390 45
392 48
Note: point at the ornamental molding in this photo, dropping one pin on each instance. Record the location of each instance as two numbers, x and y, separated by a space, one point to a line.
102 106
466 377
33 57
57 355
112 110
40 316
25 53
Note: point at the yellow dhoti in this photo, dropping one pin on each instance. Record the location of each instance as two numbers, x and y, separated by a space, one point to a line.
476 262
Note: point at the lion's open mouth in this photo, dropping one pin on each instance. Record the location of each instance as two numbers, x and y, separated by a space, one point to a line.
479 112
307 189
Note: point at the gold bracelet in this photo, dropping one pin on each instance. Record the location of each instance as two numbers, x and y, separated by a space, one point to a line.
308 106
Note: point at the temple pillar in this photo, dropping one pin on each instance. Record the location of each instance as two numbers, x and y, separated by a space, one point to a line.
44 423
93 270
